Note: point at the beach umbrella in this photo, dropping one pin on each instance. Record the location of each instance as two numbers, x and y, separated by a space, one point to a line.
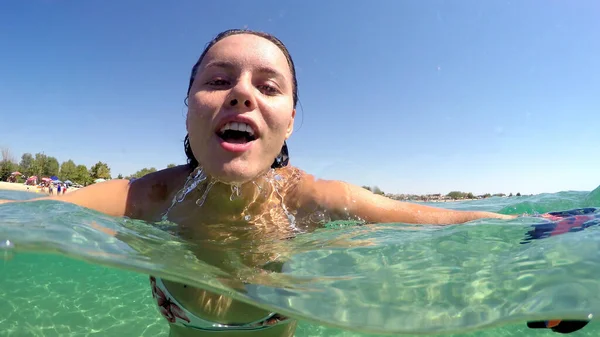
16 173
31 180
68 182
54 178
99 180
56 181
46 179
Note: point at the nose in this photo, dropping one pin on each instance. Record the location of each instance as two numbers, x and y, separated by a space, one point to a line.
241 95
234 102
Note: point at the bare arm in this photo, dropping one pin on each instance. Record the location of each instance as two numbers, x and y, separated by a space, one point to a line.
109 197
342 198
141 199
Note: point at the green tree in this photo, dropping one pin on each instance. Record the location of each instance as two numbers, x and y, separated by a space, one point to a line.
367 188
100 170
82 175
52 167
39 165
171 165
7 164
120 176
470 196
456 195
26 164
377 190
142 172
518 194
68 170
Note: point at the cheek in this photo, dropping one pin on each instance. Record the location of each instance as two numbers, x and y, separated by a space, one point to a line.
198 113
279 119
198 126
282 124
204 104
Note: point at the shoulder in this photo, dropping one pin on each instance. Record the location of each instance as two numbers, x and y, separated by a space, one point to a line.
138 198
148 195
310 192
157 184
343 200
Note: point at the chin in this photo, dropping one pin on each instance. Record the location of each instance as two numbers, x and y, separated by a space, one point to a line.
233 172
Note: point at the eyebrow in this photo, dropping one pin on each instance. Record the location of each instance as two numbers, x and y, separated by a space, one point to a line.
230 66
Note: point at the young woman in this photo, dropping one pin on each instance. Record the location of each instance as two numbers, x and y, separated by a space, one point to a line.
241 107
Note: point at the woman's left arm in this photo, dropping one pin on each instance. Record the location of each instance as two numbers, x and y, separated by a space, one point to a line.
354 201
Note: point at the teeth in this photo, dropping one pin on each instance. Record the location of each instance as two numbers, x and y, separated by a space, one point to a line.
235 126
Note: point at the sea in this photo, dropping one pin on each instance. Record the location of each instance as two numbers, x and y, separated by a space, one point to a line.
59 276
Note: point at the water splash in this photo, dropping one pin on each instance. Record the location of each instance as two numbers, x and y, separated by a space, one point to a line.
235 192
275 181
194 179
320 217
191 183
202 199
260 189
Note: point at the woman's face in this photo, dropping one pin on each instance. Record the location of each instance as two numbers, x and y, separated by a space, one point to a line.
241 108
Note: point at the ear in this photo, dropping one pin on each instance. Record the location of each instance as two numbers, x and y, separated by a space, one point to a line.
290 128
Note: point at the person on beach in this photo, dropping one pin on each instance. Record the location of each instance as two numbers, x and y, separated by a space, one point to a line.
241 100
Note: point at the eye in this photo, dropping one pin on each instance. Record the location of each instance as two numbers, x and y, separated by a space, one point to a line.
217 82
268 89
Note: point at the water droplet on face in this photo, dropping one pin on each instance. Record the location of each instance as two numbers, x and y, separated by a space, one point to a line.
278 177
247 217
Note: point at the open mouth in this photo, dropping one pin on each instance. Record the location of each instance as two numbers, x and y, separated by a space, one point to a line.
236 133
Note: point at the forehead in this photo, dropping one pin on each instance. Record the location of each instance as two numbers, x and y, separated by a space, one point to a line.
248 51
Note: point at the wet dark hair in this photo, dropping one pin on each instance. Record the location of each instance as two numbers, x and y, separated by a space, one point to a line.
283 158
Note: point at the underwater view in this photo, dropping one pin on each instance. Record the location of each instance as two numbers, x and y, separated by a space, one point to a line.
62 277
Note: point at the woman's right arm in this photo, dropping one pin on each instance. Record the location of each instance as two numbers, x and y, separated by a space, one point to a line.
142 198
116 197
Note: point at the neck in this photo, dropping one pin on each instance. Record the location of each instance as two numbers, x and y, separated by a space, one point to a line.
231 199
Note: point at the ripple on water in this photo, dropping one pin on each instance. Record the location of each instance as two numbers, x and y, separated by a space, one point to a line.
47 295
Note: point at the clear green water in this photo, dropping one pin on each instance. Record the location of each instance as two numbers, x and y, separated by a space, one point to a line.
64 279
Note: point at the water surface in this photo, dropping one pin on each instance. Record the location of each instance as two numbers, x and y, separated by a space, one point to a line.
62 277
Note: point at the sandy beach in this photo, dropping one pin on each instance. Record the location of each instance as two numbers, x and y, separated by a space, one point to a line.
26 188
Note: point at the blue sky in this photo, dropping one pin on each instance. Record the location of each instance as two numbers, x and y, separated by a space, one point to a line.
411 96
